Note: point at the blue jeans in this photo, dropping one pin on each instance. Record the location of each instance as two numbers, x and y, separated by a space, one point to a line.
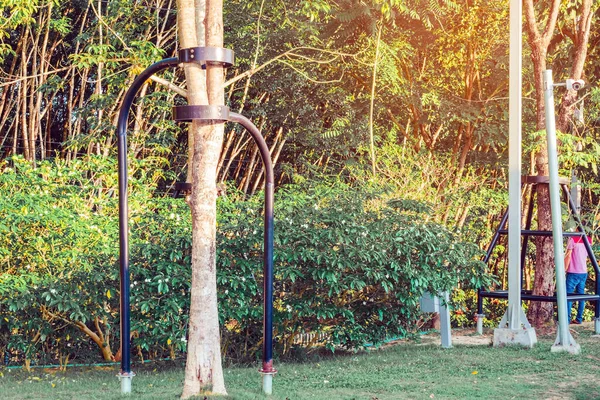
576 284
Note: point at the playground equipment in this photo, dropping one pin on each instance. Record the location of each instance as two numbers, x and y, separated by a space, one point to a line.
208 114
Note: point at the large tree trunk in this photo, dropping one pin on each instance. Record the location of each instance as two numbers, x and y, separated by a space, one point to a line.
540 313
203 372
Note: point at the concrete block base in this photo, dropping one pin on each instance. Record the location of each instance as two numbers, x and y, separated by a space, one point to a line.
573 348
565 346
525 337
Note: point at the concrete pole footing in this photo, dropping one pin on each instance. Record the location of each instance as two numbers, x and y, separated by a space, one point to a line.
125 384
267 383
572 348
480 318
125 379
525 337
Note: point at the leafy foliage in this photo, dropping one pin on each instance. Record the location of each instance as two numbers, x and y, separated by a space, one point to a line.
348 264
440 131
364 263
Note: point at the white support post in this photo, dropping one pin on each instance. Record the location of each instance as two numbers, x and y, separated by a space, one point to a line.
125 384
514 328
480 318
514 166
267 383
564 340
445 327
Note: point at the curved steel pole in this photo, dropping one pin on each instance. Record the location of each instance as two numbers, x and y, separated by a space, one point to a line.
125 375
267 362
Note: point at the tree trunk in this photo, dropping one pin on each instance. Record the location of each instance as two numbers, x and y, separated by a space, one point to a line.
203 372
372 99
540 313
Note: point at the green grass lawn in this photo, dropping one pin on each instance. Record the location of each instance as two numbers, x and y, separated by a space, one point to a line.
403 371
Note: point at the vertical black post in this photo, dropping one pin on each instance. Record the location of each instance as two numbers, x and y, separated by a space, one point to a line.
265 155
527 227
495 238
126 373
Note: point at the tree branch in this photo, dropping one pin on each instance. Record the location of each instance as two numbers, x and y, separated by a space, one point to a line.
531 20
294 53
169 85
551 23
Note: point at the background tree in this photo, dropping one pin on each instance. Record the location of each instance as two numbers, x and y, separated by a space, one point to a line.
201 23
540 42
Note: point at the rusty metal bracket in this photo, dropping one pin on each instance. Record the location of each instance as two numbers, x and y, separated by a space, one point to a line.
204 55
189 113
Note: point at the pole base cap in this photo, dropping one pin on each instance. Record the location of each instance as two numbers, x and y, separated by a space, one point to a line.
267 368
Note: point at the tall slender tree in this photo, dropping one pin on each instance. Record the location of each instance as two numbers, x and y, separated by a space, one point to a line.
539 41
201 22
540 313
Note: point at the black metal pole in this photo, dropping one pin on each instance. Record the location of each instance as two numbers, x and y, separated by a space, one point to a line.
486 259
123 209
503 294
265 155
495 238
527 227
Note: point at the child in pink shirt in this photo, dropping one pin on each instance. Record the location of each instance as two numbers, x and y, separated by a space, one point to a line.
576 267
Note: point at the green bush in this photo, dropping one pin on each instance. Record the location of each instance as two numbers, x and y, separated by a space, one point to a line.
364 263
348 265
57 256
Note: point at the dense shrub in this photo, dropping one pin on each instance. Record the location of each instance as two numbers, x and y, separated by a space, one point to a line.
56 255
347 264
364 264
